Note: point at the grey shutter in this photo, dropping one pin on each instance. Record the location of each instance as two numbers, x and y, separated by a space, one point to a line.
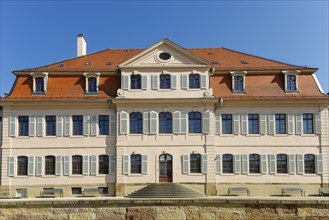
112 124
93 165
184 81
153 122
86 125
93 125
244 124
144 82
263 124
112 165
204 163
272 164
186 164
154 82
237 164
58 166
59 125
12 126
125 82
173 81
319 164
218 163
67 122
11 166
318 122
218 123
31 126
300 164
290 123
85 166
38 166
206 122
292 164
299 123
245 163
66 165
39 126
146 123
271 123
144 164
183 122
264 163
30 166
123 122
236 127
176 122
126 166
203 83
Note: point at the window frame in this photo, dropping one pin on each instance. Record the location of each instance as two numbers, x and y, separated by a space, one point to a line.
195 163
281 163
50 165
136 164
254 163
308 123
77 165
87 77
288 73
227 163
77 125
103 164
135 83
309 164
23 125
165 81
194 122
194 83
35 87
92 84
136 123
228 125
22 166
103 124
280 123
242 84
253 123
50 125
165 123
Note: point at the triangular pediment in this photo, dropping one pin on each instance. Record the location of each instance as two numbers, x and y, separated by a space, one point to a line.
165 53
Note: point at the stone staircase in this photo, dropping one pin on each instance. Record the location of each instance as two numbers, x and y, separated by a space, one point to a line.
165 190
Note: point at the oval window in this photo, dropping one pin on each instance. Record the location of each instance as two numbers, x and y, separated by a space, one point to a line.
164 56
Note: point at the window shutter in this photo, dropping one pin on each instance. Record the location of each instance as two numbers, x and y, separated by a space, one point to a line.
290 123
263 124
59 125
126 166
186 164
264 163
292 163
112 124
206 122
245 163
204 163
218 163
299 123
66 165
176 124
318 123
183 122
300 164
319 164
85 166
271 123
123 122
184 81
93 165
237 164
93 125
144 82
30 166
236 118
144 164
203 83
39 126
146 123
11 166
153 122
173 81
125 82
272 164
218 123
67 122
31 126
112 165
86 125
39 166
58 165
154 82
12 126
244 124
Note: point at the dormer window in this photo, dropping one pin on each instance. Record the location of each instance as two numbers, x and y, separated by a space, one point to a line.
238 84
92 83
39 83
238 81
291 81
135 81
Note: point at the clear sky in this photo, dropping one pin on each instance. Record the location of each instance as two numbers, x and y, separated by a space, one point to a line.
37 33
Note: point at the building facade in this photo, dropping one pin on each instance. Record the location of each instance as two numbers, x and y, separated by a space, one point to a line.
207 118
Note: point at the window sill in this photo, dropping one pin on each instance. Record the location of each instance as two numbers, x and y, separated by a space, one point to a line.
77 136
281 135
282 174
136 90
49 137
22 177
311 174
255 174
165 90
38 93
292 92
235 92
227 135
227 174
308 135
254 135
195 174
76 176
23 137
194 134
194 89
135 175
49 176
91 93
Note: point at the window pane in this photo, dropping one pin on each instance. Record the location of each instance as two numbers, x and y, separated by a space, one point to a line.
135 163
136 123
103 124
50 165
281 163
194 81
254 166
39 84
165 81
226 123
103 164
308 123
309 163
77 125
195 163
135 81
76 164
194 119
92 84
22 166
23 125
51 125
253 125
227 163
280 123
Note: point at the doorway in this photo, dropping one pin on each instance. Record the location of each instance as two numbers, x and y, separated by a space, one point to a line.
165 164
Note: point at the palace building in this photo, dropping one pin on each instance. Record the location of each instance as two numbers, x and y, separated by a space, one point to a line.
208 119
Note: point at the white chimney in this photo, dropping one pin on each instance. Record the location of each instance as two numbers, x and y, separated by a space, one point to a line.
81 45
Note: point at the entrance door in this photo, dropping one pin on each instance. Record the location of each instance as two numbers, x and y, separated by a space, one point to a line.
165 161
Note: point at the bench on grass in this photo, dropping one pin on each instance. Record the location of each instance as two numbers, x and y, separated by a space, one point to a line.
323 191
293 190
49 192
91 192
238 190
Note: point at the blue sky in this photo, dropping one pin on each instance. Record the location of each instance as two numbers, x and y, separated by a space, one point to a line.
36 33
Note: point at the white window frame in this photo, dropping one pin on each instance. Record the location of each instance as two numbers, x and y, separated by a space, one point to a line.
43 75
290 73
243 75
90 75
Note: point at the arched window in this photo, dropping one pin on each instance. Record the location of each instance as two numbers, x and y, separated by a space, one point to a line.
291 83
194 122
22 166
254 165
50 165
135 81
238 84
165 122
165 81
92 84
39 84
281 163
135 163
76 164
103 164
195 163
309 163
136 123
194 81
227 163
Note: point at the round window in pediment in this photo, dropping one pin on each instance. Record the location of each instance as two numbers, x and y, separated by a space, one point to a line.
164 56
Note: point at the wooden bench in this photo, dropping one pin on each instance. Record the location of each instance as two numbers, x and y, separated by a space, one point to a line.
293 190
238 190
323 191
91 192
51 192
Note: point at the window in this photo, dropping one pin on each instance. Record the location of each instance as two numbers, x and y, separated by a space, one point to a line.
103 164
254 166
135 163
194 81
103 124
227 163
165 122
195 163
77 124
76 190
76 164
135 81
164 56
291 83
50 165
308 123
22 166
92 81
291 80
92 84
309 163
103 190
23 125
238 84
51 125
39 85
281 163
165 81
226 123
194 122
280 123
136 123
253 124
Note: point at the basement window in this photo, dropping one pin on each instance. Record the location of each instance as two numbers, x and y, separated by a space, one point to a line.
76 190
